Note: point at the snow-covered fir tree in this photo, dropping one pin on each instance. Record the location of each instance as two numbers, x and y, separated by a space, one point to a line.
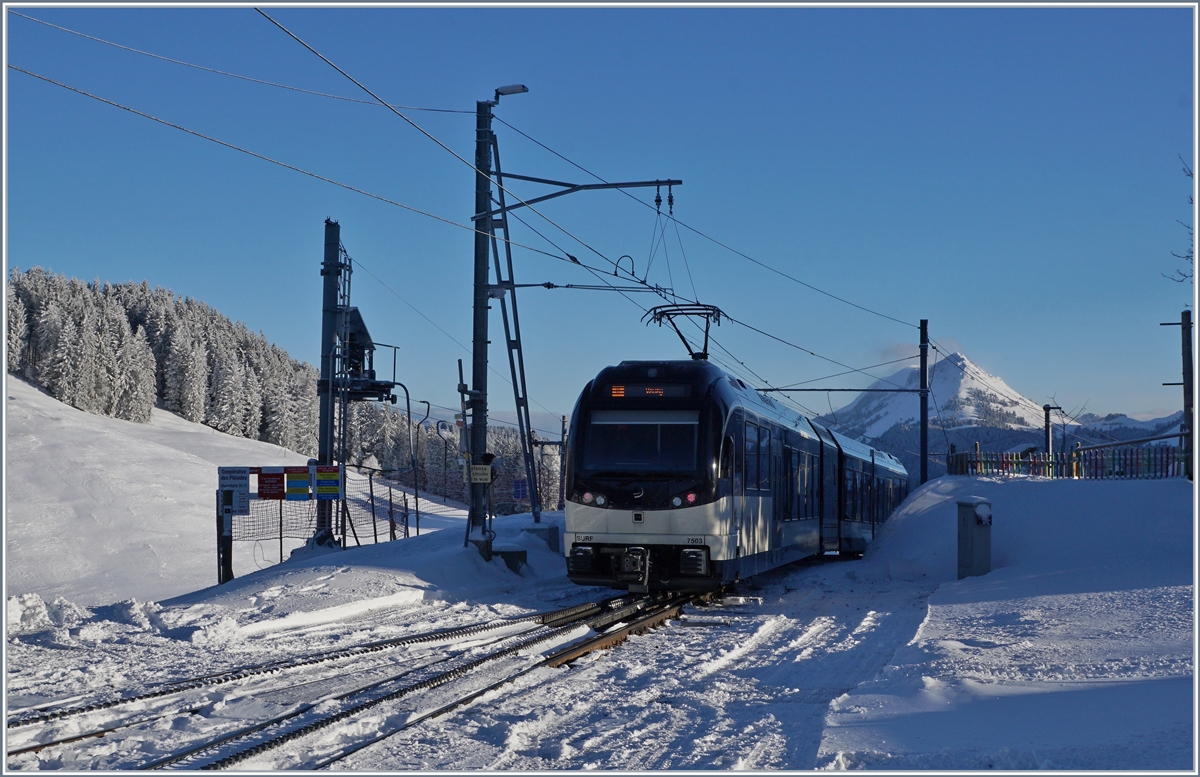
118 349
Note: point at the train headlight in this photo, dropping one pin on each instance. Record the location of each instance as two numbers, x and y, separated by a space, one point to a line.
600 500
676 501
587 497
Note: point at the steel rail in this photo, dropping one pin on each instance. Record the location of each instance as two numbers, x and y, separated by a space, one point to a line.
232 675
428 683
555 659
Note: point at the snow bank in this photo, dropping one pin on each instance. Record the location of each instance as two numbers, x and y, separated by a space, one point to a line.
99 509
1074 652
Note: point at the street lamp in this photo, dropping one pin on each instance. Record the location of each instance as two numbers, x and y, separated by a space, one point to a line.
510 89
445 454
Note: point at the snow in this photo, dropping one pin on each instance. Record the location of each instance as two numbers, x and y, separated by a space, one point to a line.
962 395
1075 652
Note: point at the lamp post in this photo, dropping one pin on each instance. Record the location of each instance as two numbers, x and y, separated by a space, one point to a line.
445 454
1050 437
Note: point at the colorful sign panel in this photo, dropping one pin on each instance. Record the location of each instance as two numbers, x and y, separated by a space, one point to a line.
328 483
322 481
297 482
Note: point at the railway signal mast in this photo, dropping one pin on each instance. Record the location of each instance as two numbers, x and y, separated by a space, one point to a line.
491 220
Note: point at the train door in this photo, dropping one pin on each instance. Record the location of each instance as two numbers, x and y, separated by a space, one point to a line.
830 491
752 500
738 496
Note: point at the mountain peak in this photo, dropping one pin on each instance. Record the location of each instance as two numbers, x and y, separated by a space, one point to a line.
962 395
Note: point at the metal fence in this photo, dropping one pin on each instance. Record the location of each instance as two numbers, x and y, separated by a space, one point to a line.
374 509
1123 463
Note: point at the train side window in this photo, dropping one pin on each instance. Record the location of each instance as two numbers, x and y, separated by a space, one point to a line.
794 484
764 458
725 471
751 455
806 486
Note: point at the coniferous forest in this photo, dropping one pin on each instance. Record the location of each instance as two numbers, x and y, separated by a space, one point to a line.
120 349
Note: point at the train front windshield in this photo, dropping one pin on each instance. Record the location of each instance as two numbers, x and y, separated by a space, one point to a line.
641 441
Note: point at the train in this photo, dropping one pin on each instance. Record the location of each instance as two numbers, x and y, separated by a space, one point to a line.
679 476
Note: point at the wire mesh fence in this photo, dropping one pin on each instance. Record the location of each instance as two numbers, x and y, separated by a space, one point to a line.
1118 463
374 508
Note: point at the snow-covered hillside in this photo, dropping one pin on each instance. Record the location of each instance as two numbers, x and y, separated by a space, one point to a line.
100 509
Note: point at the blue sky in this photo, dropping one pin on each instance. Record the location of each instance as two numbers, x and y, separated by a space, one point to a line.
1010 174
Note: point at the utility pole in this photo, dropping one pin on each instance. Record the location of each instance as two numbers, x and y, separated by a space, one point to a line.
331 273
1189 410
924 401
1187 426
491 215
1049 437
476 515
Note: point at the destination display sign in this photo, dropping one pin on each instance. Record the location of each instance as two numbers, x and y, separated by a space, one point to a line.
649 390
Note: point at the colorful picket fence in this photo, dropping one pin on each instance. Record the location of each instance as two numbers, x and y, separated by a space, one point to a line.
1123 463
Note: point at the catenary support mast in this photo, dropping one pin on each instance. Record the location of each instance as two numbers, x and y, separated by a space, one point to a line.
924 400
330 273
479 340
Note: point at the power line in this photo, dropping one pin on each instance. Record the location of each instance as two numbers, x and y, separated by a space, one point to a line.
305 172
712 239
847 372
227 73
806 350
265 158
379 100
381 103
429 135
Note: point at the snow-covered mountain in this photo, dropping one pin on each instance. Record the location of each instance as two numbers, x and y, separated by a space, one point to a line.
962 395
965 396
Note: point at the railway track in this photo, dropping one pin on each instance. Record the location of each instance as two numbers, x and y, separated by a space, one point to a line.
388 699
34 729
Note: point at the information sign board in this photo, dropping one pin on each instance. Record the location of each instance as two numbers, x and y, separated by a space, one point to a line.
234 484
328 483
271 483
481 473
297 482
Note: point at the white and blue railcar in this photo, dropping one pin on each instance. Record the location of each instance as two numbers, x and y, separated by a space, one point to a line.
679 476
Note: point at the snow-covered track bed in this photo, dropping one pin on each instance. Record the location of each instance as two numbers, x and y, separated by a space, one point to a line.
321 732
320 675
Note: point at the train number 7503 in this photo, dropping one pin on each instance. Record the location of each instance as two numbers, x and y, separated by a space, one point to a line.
695 540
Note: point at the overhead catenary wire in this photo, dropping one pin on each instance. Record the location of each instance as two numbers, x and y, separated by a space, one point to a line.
433 138
265 158
381 103
305 172
251 79
294 168
539 213
708 237
669 295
